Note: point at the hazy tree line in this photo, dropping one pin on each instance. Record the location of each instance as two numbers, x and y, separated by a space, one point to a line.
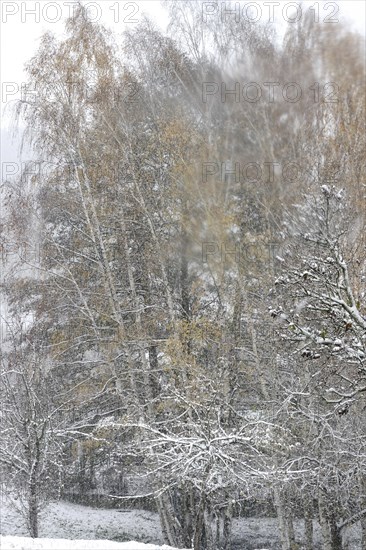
170 318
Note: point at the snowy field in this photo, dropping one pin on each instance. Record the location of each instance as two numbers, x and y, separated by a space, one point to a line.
76 527
23 543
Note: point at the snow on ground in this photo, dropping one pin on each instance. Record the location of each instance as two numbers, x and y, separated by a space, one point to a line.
23 543
66 520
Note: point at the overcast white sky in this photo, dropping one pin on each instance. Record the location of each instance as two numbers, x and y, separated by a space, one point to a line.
23 22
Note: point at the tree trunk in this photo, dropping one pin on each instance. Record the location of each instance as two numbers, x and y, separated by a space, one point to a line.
210 530
281 516
309 529
227 527
33 511
335 534
363 532
291 532
184 279
166 521
154 366
362 483
198 531
289 520
186 509
324 524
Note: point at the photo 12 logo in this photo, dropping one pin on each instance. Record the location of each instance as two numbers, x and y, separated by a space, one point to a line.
27 171
251 172
53 12
65 169
54 92
26 251
270 92
249 254
269 12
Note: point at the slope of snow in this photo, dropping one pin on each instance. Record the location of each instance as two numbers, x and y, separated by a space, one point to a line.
24 543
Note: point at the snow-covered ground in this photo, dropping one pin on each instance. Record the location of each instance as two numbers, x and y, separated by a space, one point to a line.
65 520
105 529
24 543
67 526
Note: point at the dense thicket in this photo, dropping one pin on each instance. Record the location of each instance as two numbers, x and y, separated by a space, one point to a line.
187 306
